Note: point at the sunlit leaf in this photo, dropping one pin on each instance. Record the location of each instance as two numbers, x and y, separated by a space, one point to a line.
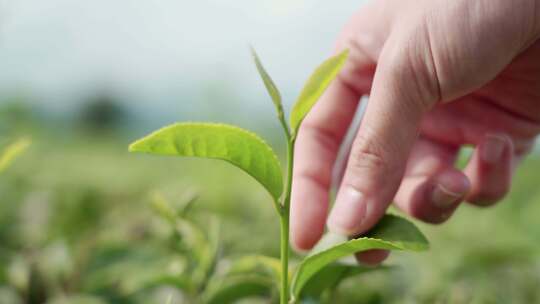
391 233
237 146
268 83
315 87
12 151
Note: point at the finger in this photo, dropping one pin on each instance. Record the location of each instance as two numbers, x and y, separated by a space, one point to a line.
315 152
385 137
432 188
323 129
468 119
317 146
490 170
372 257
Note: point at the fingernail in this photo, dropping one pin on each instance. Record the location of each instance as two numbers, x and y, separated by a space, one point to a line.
444 198
493 148
348 212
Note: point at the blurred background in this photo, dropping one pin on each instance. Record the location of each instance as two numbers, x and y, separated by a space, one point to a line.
82 79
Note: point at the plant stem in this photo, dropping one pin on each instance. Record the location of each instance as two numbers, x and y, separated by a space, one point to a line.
290 145
285 127
284 292
284 221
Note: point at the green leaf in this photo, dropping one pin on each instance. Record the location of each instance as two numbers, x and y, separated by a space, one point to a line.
331 276
315 87
232 289
239 147
12 151
268 83
391 233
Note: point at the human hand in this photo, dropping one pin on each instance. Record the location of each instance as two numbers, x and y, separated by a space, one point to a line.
440 74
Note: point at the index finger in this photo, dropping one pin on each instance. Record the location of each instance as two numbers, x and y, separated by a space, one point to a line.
316 148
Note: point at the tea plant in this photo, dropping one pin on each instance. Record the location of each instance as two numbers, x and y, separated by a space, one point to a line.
253 155
206 277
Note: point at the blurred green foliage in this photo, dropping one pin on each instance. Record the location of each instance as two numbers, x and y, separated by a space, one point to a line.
76 227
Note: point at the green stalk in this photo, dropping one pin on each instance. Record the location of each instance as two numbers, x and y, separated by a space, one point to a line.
284 214
284 219
284 291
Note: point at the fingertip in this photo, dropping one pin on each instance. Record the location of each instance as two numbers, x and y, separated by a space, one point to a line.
373 257
433 198
348 213
450 188
302 242
300 247
309 209
493 147
338 229
454 180
304 236
490 170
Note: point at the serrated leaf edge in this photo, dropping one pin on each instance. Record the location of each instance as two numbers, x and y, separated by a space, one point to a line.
397 245
133 146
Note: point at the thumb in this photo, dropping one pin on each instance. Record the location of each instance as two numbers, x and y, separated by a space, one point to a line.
405 86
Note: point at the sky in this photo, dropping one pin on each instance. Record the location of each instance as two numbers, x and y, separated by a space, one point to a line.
162 55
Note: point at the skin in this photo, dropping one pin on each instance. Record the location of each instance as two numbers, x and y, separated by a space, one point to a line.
440 74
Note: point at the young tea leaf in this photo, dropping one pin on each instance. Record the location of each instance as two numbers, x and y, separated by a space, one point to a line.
237 146
268 83
12 151
315 87
391 233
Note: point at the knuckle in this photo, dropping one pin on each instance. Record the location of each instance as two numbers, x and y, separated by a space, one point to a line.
370 167
314 176
373 162
363 159
366 155
320 134
410 61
